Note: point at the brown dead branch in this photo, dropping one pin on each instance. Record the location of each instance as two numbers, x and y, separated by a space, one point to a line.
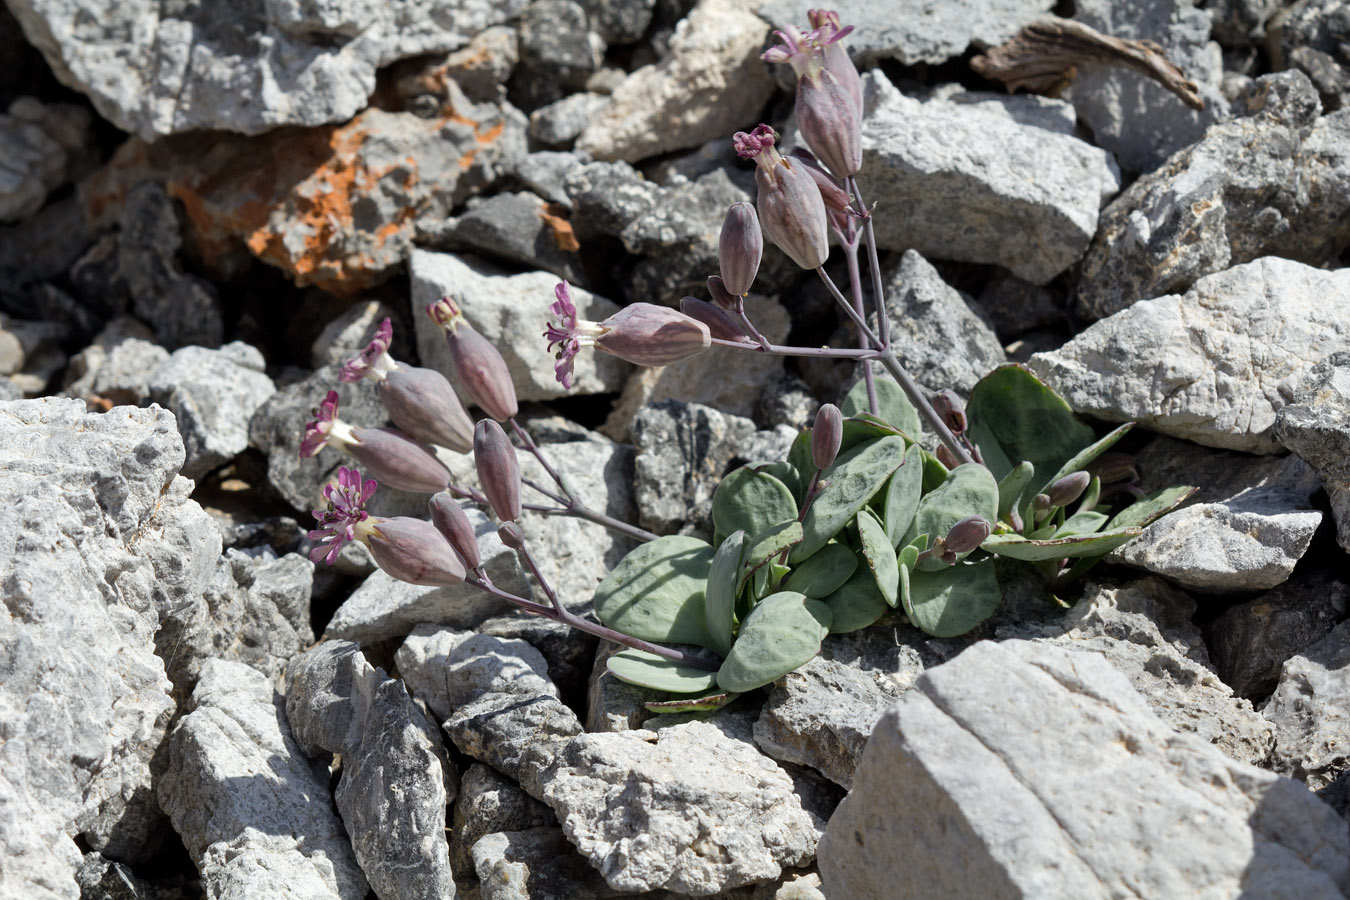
1043 58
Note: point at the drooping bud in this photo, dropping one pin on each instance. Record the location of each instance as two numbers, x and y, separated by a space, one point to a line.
945 456
739 248
1041 503
1068 489
412 550
511 535
449 518
1115 466
722 297
649 335
398 460
720 325
828 108
951 409
826 435
422 403
791 210
498 469
475 362
837 201
834 57
968 534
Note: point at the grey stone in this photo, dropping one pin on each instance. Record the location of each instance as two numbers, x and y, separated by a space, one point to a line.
345 336
45 245
446 669
952 182
100 878
43 146
1308 711
393 792
1144 630
523 230
1316 426
1127 806
1266 183
611 704
568 652
608 196
98 541
768 445
620 21
29 349
1132 115
1249 642
1311 36
916 31
559 123
546 173
1241 23
683 450
511 312
479 69
710 83
487 803
539 864
118 364
787 401
716 813
1220 475
1015 307
252 811
519 735
942 341
157 71
213 395
255 611
384 607
1214 365
558 52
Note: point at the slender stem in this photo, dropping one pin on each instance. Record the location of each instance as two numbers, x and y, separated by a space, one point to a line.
465 493
546 492
750 328
538 454
874 267
528 559
786 350
613 524
855 288
916 396
853 314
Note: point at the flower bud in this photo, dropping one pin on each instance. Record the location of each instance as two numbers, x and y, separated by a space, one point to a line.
834 57
398 461
945 456
412 550
511 536
836 199
951 409
498 469
1068 489
422 403
1115 466
791 210
722 297
826 435
649 335
740 247
720 325
967 534
830 124
449 518
475 362
1041 503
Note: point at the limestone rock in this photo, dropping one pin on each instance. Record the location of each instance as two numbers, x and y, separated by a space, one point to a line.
446 669
966 754
1311 37
517 734
487 803
42 146
523 230
1316 426
1214 365
1308 711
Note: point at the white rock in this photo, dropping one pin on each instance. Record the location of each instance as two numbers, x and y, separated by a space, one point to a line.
446 669
1310 710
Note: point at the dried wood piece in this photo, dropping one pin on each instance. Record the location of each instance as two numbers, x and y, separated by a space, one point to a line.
1043 58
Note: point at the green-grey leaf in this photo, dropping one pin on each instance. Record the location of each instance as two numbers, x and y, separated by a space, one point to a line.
801 459
824 572
784 471
719 601
849 484
893 407
763 547
953 600
1082 522
706 703
906 599
909 554
1015 546
752 502
1014 416
880 555
969 490
902 495
1080 460
656 591
782 632
1012 486
649 670
1146 509
934 472
857 604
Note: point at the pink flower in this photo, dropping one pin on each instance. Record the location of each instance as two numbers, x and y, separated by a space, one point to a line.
318 431
346 510
373 360
563 334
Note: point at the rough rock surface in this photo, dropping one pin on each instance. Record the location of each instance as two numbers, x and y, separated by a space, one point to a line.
117 365
518 734
951 181
1311 37
393 792
716 813
1310 711
1316 426
446 669
965 755
345 336
511 312
98 539
523 230
1214 365
42 146
254 813
158 68
1134 116
1270 182
711 83
487 803
213 395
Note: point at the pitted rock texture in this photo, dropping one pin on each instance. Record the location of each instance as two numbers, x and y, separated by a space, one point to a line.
155 68
446 669
42 146
1316 426
1214 365
1309 712
98 540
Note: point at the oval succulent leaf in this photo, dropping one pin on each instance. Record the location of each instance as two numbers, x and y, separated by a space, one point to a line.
1081 523
824 572
862 428
752 502
1014 546
893 407
768 545
954 600
781 633
1014 416
880 556
852 481
969 490
902 495
857 604
656 592
800 458
719 602
934 472
1012 486
649 670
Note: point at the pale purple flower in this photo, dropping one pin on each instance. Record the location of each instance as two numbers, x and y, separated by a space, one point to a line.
569 334
346 510
373 361
829 91
320 429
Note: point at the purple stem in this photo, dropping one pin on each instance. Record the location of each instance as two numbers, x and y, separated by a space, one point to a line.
784 350
878 293
855 288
